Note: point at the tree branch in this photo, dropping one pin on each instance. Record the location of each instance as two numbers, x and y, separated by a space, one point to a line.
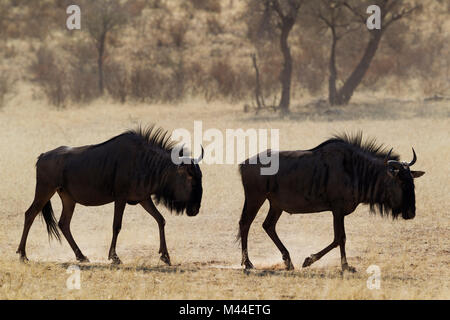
276 6
402 14
327 22
360 16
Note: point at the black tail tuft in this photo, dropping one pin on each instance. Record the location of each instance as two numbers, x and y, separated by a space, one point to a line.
238 236
50 221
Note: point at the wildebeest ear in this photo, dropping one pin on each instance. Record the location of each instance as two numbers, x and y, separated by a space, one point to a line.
416 174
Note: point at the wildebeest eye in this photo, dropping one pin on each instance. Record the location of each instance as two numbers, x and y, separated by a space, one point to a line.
393 172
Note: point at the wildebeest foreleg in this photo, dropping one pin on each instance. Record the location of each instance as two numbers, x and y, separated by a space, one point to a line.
339 240
344 264
119 207
64 224
269 225
149 206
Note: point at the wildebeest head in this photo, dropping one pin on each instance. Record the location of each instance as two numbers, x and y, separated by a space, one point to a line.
400 186
188 185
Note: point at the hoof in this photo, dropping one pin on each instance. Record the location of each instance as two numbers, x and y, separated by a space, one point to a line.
346 267
166 259
289 265
115 259
308 261
23 256
247 264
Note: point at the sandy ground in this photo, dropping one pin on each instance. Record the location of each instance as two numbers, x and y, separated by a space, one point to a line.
413 256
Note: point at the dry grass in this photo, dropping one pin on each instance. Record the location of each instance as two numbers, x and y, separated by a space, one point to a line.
413 255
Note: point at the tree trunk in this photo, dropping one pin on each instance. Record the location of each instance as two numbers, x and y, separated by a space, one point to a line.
258 95
333 72
286 73
345 93
101 52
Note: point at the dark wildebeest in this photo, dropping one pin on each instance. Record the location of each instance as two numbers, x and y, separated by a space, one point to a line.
336 176
129 168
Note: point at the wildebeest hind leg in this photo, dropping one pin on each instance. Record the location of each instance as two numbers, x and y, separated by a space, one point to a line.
149 206
251 207
64 224
119 206
42 195
269 225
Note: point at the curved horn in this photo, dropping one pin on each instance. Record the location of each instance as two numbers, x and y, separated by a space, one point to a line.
181 150
201 156
414 158
182 157
387 157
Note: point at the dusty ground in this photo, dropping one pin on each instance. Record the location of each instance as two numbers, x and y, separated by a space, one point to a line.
413 256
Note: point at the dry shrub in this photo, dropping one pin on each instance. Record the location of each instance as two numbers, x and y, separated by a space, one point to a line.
49 77
214 27
380 68
82 73
116 81
60 82
270 69
6 84
196 78
152 85
207 5
30 19
225 82
142 83
177 33
178 82
311 65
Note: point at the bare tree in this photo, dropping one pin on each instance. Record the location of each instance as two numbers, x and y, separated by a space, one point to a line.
278 16
101 18
335 17
333 14
4 18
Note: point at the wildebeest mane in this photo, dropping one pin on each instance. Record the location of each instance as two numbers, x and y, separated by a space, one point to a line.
154 137
369 146
369 173
366 171
155 165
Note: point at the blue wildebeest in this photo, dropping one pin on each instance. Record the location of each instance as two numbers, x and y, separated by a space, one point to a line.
127 169
336 176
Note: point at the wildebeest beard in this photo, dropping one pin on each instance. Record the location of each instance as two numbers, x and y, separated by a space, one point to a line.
166 195
369 177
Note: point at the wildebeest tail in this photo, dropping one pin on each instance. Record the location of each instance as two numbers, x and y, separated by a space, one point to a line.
238 236
50 221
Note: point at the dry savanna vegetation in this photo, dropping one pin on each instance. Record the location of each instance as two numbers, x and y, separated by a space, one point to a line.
174 62
413 255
